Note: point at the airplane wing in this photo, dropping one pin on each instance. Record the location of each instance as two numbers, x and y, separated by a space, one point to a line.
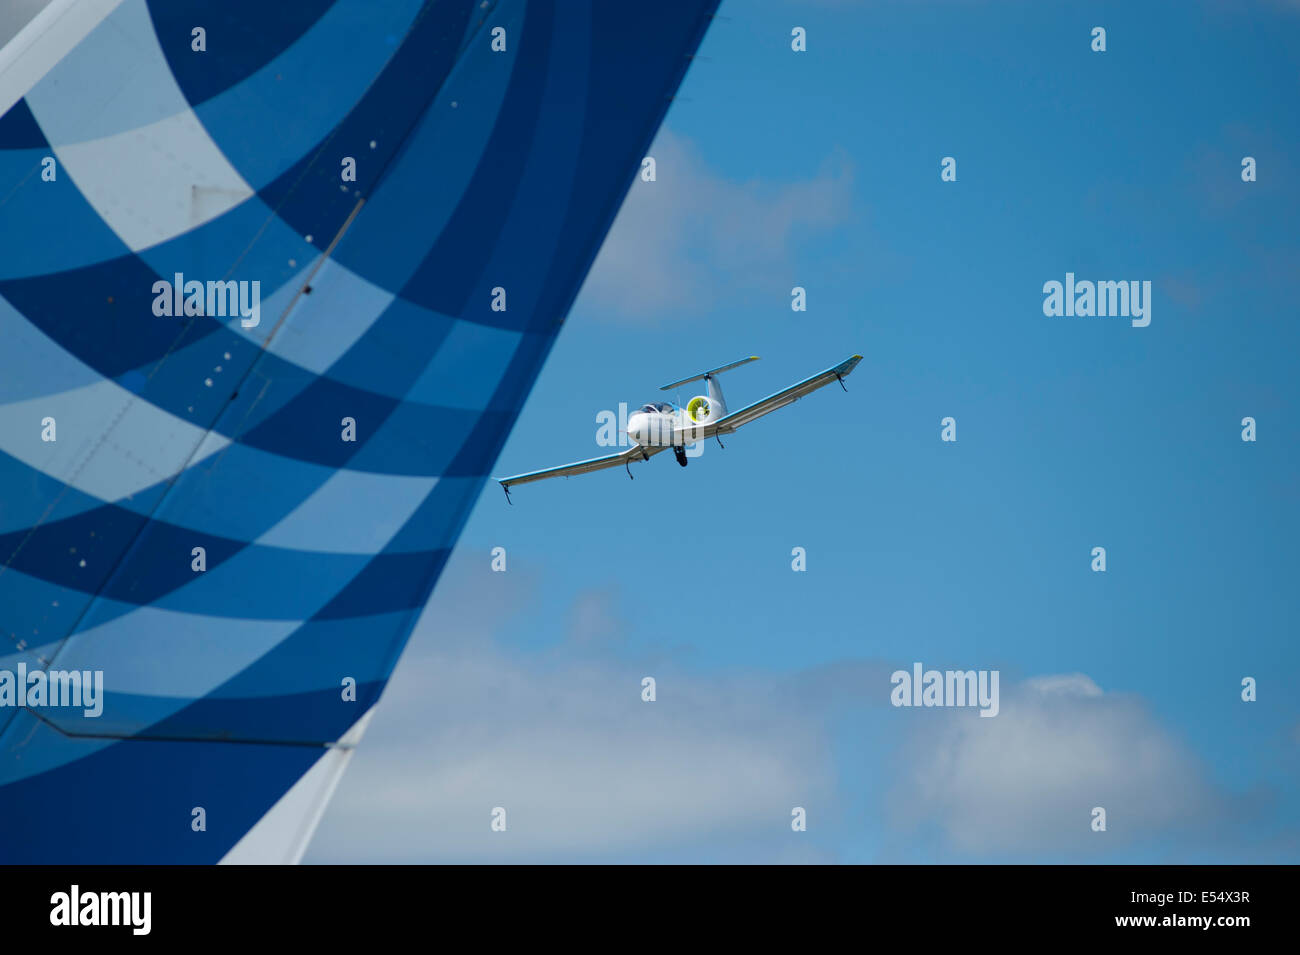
635 453
730 422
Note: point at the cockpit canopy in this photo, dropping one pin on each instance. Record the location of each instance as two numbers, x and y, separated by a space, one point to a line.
661 407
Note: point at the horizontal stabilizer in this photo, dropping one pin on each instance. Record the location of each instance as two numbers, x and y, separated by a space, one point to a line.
711 371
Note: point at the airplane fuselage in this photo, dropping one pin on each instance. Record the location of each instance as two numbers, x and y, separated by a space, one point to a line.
663 425
652 429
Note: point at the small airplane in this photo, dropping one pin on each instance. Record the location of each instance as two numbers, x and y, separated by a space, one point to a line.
660 425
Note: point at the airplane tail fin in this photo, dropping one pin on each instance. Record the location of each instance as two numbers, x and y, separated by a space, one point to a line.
709 373
716 399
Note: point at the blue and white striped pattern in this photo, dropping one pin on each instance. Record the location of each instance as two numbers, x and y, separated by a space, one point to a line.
476 169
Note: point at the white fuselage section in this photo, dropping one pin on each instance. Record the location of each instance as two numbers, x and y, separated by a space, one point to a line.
653 429
662 425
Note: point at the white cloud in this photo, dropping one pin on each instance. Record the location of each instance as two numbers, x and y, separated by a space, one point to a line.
586 770
1028 779
564 742
681 240
595 618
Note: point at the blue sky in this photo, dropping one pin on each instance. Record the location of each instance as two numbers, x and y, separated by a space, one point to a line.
1119 689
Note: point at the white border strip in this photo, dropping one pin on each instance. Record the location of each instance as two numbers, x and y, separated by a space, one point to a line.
49 37
282 835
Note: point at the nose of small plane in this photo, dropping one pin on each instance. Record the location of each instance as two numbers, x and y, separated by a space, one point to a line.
636 429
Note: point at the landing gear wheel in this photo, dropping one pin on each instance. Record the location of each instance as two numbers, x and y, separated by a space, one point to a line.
681 455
